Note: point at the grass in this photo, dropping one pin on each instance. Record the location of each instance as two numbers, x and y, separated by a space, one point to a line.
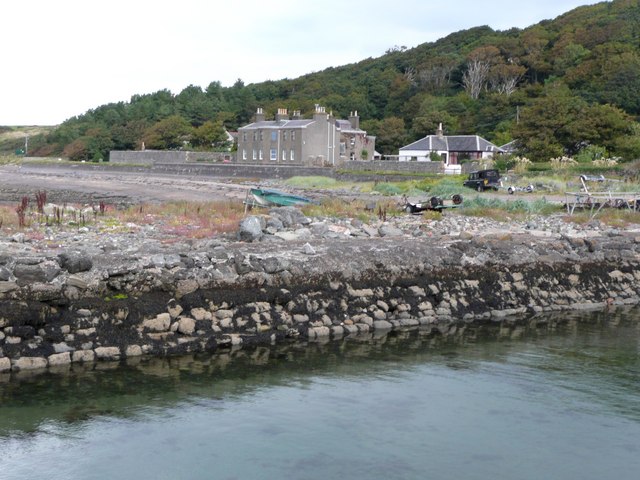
496 208
363 211
185 220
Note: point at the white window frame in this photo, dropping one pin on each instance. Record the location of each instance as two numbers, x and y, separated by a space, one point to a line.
292 155
273 154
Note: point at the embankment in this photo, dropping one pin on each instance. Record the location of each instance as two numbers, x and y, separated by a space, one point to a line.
112 303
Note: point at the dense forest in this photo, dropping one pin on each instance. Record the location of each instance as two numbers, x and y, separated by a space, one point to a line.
568 86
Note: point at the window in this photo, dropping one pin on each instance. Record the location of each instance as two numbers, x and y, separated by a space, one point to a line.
261 135
284 154
292 156
273 154
293 134
255 154
343 148
284 135
260 154
255 136
274 136
244 136
244 154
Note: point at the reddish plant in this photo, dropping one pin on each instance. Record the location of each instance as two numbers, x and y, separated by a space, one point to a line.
41 199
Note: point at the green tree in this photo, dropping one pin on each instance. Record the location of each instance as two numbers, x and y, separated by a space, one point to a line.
390 135
168 134
210 135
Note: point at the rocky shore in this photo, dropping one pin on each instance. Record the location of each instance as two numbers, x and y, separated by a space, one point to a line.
83 296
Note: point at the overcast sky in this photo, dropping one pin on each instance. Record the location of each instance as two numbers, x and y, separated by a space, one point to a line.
63 57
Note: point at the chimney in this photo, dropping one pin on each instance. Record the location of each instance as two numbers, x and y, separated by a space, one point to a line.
296 115
440 132
260 115
282 115
320 113
354 120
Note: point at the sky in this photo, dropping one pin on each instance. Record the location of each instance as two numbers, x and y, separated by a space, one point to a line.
61 58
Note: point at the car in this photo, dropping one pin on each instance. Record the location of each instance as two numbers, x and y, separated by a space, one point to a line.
481 180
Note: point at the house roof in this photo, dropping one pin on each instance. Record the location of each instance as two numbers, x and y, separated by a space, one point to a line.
278 124
344 125
453 143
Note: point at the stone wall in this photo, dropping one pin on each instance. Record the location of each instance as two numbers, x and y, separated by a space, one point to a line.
77 308
394 166
223 164
152 157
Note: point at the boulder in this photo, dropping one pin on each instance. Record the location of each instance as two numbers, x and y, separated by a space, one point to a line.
250 229
75 262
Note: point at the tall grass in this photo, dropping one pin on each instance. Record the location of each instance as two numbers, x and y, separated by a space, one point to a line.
495 208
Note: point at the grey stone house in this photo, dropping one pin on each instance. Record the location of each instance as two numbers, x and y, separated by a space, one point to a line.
318 141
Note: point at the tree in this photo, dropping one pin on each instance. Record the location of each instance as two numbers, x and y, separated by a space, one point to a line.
170 133
209 135
479 65
390 135
560 123
504 78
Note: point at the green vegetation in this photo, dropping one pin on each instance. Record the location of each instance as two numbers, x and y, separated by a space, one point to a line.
566 86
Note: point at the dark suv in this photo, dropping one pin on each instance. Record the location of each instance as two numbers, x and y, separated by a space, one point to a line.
483 179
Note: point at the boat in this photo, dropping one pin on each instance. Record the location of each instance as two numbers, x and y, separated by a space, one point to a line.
262 197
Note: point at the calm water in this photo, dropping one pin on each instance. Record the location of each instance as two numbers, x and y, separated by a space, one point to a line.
542 401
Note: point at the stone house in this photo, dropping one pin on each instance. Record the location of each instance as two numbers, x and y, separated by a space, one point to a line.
451 149
318 141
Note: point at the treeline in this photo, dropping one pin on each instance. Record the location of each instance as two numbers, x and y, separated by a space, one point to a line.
562 87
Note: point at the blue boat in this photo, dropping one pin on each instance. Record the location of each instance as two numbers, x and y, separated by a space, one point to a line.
262 197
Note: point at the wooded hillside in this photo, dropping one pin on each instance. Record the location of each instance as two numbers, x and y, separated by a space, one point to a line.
566 86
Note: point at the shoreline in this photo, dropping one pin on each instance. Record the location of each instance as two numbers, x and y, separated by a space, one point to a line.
117 301
85 295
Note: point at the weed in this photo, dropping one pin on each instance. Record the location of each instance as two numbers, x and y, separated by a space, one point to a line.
41 199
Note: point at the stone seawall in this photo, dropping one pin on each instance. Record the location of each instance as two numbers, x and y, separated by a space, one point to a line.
76 306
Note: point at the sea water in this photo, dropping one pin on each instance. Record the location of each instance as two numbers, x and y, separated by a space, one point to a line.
545 399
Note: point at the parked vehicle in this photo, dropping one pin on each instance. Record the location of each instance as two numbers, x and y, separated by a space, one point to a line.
483 179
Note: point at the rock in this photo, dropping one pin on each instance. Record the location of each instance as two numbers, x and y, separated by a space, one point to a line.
382 325
186 325
273 265
75 262
174 309
5 364
8 286
250 229
83 356
307 249
77 282
5 274
133 351
18 237
160 323
41 273
387 230
62 347
107 353
59 359
29 363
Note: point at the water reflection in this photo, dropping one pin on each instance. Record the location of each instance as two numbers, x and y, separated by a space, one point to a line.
595 354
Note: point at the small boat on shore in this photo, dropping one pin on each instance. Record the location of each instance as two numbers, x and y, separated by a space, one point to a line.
262 197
